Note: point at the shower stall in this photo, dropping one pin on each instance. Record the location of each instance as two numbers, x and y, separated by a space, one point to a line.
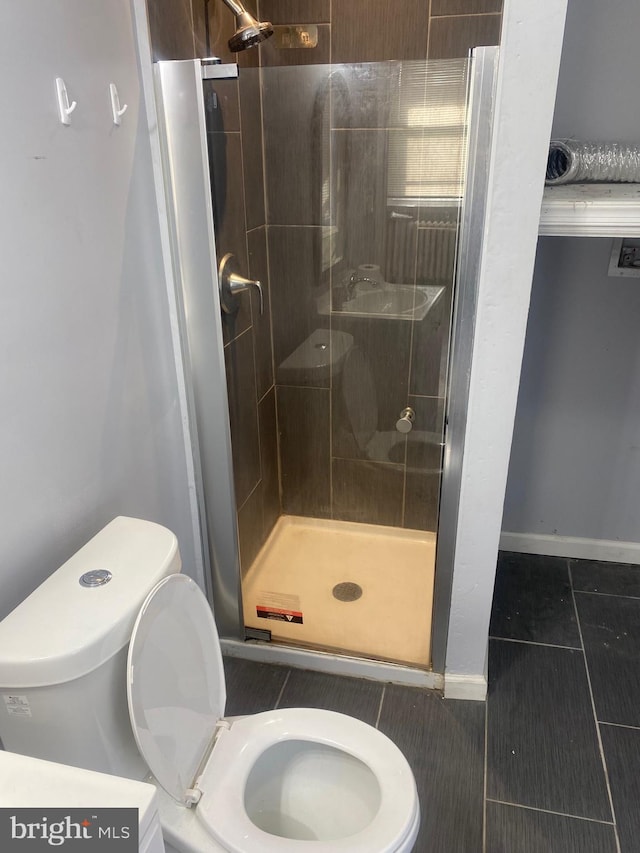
328 342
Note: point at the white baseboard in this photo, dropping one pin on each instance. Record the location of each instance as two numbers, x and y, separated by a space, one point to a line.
465 687
334 664
608 550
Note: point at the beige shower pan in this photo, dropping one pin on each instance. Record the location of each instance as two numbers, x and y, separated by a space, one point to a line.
289 588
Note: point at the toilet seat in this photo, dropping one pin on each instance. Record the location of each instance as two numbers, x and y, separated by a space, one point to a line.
222 806
176 695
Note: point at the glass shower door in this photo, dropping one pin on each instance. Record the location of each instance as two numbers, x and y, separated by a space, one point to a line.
319 417
364 173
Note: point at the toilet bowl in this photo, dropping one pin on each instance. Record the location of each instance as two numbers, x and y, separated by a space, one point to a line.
285 780
271 786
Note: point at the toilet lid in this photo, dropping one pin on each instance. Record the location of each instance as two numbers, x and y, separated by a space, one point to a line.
175 682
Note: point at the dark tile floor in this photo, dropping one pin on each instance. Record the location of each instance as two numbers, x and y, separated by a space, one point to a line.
551 764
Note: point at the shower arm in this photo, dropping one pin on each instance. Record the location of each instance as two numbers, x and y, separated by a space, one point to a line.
236 8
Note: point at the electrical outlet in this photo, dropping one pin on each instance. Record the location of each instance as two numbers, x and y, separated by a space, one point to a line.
625 257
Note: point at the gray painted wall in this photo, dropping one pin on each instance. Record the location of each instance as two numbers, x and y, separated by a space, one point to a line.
91 424
575 459
522 122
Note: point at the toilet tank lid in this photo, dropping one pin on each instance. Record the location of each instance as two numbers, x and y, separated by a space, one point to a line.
64 630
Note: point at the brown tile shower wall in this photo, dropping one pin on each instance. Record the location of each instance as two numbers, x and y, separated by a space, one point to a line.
179 30
325 469
233 110
184 29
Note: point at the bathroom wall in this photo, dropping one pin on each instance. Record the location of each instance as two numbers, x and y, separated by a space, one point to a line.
91 421
529 59
575 469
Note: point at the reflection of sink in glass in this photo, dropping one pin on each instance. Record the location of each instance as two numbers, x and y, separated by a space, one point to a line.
387 300
399 301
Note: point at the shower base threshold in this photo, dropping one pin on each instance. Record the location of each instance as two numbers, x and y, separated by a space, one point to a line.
289 589
354 667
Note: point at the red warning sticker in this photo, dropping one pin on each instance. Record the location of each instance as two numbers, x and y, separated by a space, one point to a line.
279 614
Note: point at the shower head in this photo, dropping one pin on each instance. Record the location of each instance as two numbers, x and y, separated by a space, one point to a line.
249 32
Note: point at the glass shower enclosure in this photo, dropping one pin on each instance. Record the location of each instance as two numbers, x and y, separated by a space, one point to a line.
331 526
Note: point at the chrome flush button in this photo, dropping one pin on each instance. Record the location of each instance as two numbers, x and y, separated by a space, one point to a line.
96 577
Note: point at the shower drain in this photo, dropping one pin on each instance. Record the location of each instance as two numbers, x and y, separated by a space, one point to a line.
347 591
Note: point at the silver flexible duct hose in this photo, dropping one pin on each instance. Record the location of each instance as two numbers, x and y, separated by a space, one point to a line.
573 162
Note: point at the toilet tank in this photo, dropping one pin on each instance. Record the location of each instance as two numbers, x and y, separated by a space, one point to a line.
63 651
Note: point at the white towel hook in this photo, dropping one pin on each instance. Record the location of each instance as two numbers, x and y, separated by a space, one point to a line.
117 110
64 107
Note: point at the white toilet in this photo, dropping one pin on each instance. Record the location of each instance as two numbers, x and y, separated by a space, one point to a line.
81 649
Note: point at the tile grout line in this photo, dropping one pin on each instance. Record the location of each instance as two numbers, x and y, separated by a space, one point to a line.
271 388
534 643
593 708
293 225
244 502
238 336
278 700
384 690
550 811
467 15
305 387
484 799
619 725
607 594
367 462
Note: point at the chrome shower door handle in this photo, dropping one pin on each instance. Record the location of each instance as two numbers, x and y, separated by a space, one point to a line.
404 423
231 283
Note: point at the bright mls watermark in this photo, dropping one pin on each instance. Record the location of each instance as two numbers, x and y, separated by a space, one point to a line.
35 830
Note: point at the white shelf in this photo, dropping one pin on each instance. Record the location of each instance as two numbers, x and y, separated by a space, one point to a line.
591 210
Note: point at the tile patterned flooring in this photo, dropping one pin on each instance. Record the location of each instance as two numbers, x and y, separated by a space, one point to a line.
551 764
